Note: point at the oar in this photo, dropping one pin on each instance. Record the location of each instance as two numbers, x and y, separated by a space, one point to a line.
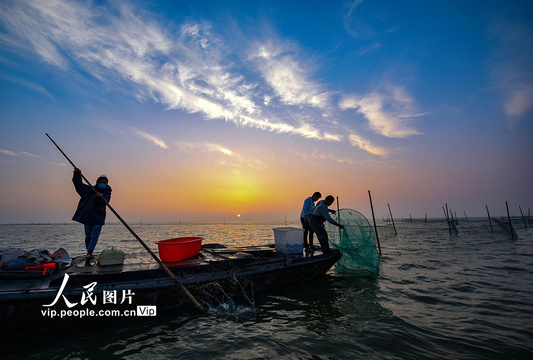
183 288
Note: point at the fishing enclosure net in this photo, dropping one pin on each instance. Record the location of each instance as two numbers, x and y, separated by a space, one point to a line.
506 227
357 242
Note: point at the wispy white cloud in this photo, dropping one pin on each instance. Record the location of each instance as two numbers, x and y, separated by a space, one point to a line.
24 16
27 84
388 113
127 130
305 130
355 24
519 101
368 49
7 152
330 158
24 153
21 153
352 8
366 145
154 139
219 148
191 68
510 67
228 156
289 77
188 147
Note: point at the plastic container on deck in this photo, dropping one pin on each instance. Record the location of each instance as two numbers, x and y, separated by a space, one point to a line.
111 257
289 240
178 249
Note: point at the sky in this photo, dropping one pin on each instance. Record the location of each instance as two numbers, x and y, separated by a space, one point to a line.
239 110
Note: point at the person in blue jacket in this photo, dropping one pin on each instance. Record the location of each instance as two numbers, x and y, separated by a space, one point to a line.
91 209
317 219
307 210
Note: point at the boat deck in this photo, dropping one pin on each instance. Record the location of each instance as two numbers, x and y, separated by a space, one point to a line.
212 259
209 254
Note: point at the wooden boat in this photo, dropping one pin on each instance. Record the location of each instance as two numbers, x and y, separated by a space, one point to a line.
116 290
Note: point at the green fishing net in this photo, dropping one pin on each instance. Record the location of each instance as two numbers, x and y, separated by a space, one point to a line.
507 226
357 242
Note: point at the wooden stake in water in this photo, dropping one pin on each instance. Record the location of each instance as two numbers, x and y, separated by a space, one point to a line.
523 218
510 223
394 226
447 218
466 217
488 214
450 214
339 220
452 220
373 218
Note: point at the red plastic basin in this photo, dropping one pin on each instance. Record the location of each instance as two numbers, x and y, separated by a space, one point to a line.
178 249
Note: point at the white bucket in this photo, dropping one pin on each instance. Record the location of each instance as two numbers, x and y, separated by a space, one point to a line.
289 240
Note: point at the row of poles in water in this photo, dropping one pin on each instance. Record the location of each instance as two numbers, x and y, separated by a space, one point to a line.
452 221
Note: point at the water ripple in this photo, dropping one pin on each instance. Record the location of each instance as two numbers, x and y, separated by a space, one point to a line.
437 297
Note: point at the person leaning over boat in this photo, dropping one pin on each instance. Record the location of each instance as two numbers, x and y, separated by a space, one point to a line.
91 209
317 219
307 210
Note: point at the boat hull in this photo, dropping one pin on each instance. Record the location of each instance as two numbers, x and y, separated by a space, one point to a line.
217 274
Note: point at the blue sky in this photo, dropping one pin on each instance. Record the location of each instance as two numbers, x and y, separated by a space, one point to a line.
208 109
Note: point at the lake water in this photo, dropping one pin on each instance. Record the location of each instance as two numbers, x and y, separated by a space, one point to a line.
437 297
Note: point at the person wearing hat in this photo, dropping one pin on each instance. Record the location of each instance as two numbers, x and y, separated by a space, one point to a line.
91 209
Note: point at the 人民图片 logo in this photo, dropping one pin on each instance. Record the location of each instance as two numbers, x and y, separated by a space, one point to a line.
89 297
